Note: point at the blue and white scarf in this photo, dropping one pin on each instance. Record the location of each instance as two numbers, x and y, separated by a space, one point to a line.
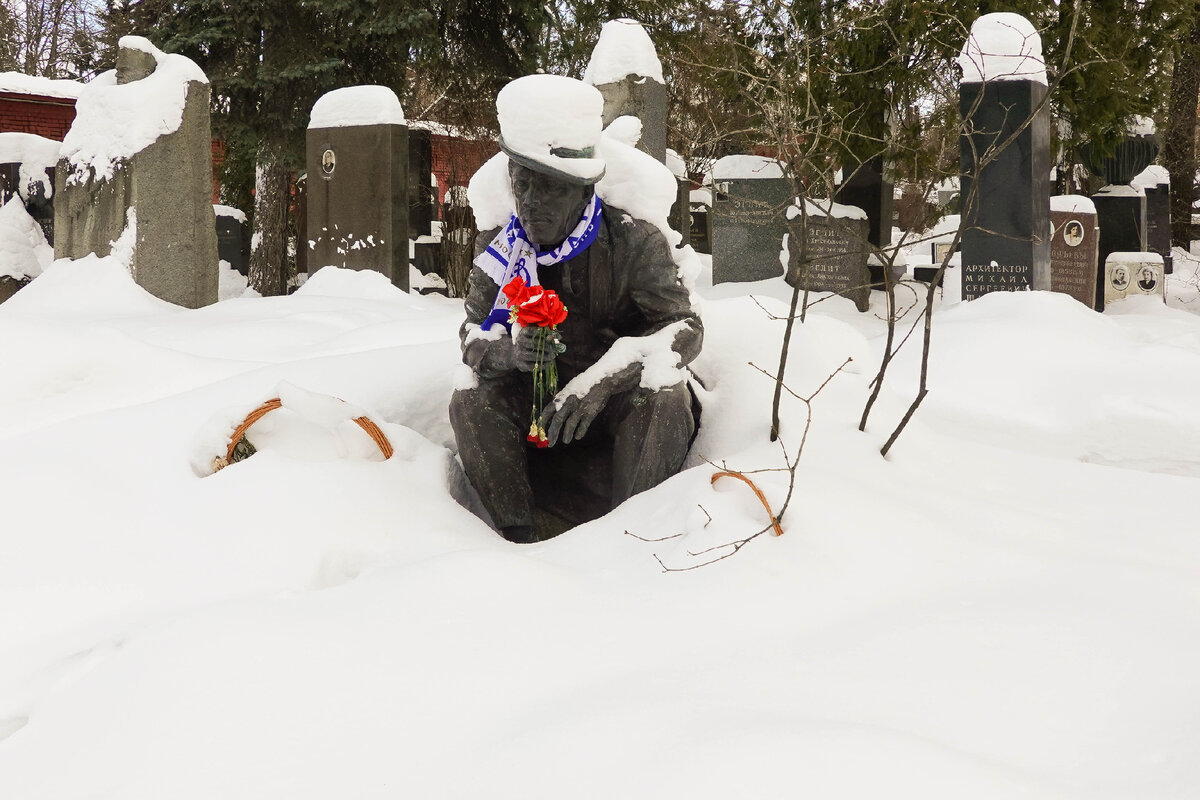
511 255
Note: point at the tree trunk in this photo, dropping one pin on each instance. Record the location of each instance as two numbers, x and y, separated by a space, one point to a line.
1179 150
268 271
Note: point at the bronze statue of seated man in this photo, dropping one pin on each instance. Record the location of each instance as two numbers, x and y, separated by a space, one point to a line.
616 277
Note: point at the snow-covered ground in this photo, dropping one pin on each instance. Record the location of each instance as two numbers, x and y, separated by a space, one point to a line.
1007 606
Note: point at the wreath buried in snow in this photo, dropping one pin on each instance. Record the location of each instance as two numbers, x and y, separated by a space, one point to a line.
224 441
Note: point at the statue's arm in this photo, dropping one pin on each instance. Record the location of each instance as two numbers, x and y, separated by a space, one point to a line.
488 353
659 293
670 339
663 302
494 352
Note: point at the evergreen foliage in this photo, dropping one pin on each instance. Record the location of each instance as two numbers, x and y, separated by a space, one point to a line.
831 83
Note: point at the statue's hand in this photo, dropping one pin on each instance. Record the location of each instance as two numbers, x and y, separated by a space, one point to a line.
527 353
570 419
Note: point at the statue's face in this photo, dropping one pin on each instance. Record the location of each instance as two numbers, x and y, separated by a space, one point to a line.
549 208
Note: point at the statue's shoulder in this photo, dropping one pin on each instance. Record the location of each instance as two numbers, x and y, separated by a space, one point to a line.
626 229
483 239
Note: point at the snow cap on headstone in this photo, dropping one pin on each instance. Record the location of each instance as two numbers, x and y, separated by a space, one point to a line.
551 124
624 48
1002 47
114 121
357 105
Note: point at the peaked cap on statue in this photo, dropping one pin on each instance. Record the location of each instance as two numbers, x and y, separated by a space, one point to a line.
550 124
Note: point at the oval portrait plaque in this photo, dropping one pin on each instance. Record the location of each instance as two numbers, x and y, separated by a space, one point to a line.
328 161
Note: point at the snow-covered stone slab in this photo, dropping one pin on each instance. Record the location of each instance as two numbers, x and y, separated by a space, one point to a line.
142 142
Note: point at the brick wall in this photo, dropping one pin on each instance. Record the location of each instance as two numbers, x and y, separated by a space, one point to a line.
50 117
455 160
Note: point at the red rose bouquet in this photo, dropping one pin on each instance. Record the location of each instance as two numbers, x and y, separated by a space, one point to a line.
533 306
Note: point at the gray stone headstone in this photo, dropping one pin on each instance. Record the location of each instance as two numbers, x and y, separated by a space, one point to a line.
167 185
1133 273
1005 242
1074 248
835 253
358 190
749 220
625 68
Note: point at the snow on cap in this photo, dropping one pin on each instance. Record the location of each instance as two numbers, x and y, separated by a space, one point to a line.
1002 47
550 124
356 105
624 48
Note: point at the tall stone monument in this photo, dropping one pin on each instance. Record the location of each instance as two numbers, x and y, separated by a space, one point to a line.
625 68
751 198
1005 189
358 191
139 155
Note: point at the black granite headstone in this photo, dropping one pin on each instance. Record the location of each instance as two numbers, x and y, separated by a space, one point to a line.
37 197
39 202
835 257
1158 223
233 244
421 195
357 197
937 253
868 189
701 233
681 216
748 227
10 175
1005 242
1121 215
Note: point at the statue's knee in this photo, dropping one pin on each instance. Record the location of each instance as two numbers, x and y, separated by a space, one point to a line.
668 400
466 403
